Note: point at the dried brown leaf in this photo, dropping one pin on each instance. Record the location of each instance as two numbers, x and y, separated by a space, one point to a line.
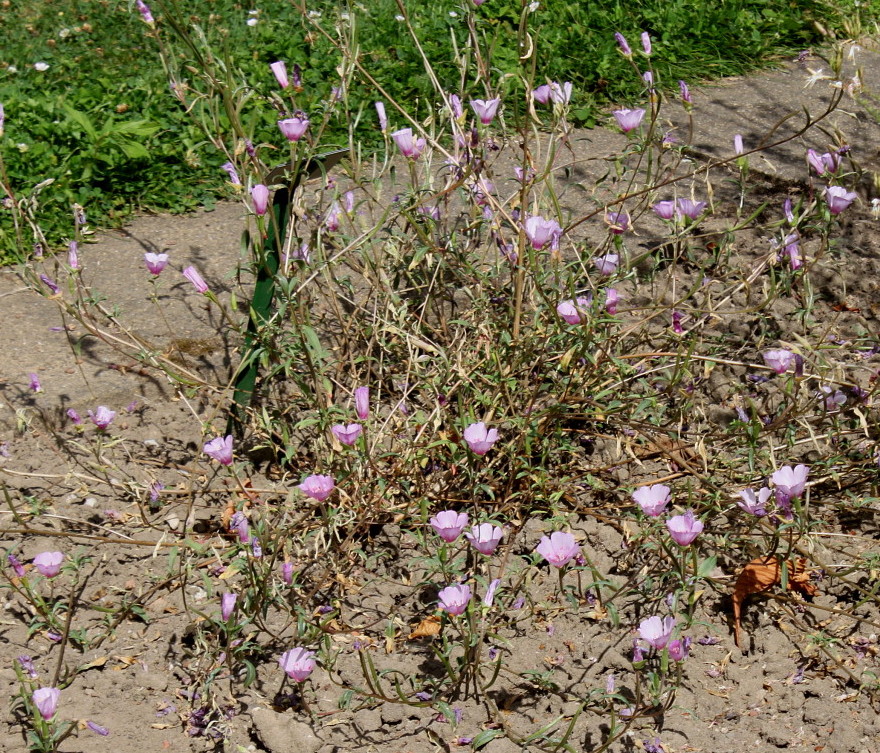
427 628
760 575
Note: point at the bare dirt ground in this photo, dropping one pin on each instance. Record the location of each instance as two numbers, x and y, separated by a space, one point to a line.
134 646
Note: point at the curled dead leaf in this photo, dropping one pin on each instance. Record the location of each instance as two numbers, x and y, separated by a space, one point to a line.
760 575
427 628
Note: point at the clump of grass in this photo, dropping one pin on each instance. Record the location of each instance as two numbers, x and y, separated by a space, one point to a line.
97 120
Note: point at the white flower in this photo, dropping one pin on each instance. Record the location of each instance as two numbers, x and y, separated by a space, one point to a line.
11 69
41 66
398 17
253 21
533 7
814 77
453 14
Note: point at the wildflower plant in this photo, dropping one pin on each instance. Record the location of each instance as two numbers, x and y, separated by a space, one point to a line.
393 301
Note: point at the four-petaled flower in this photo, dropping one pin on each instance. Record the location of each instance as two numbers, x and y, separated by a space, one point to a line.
839 198
607 264
656 631
540 232
572 311
298 663
409 146
652 499
485 537
449 524
220 449
779 360
48 564
485 109
293 129
790 483
684 528
558 549
102 417
754 504
155 262
479 438
347 433
454 599
317 487
629 120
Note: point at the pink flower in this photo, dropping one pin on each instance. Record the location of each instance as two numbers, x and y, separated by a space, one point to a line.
227 605
16 565
220 449
606 265
542 94
297 663
485 537
362 402
192 274
560 94
629 120
571 311
754 504
46 701
383 118
678 649
34 383
738 144
155 263
839 198
611 300
280 71
690 208
646 42
778 360
622 43
489 597
317 487
239 523
684 528
145 11
479 438
656 631
823 163
558 549
287 573
48 564
652 499
540 232
73 255
410 147
102 417
230 170
485 109
664 209
790 483
334 214
293 129
618 222
454 599
260 197
455 107
685 93
347 433
449 524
